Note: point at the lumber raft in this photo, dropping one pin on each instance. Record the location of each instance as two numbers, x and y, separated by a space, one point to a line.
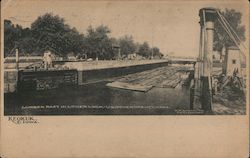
163 77
134 87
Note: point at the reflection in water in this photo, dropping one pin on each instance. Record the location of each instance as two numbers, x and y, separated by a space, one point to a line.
160 101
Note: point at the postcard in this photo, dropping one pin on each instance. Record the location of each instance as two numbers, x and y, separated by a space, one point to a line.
109 78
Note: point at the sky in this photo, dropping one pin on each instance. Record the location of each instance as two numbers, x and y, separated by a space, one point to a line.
173 26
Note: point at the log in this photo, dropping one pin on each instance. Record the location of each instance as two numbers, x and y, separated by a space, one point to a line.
135 87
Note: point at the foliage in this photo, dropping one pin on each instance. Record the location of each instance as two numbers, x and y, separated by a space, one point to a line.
144 50
221 38
50 32
12 34
127 45
97 43
156 52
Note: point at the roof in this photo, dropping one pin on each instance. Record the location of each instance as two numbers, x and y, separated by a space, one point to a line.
233 48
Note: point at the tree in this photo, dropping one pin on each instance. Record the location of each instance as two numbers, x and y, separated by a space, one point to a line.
127 45
17 37
156 52
51 32
221 38
73 42
48 23
12 34
97 42
144 50
27 45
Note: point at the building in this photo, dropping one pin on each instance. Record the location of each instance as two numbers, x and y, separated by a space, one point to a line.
232 62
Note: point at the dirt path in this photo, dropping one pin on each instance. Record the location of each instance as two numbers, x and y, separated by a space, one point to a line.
229 102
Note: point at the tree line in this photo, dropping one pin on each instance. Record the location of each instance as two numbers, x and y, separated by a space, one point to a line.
50 32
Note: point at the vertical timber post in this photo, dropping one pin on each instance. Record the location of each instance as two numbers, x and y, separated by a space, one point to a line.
17 59
207 18
17 69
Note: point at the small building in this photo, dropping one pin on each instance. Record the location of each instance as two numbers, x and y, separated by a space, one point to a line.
232 62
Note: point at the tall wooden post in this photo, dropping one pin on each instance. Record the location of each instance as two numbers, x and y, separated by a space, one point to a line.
17 70
207 18
17 59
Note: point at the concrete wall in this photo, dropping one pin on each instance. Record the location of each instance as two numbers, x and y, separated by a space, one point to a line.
87 76
44 80
106 64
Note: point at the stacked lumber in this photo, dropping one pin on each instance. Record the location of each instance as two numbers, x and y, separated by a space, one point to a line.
171 82
163 77
135 87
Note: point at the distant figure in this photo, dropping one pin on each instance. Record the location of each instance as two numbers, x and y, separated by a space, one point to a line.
47 59
215 83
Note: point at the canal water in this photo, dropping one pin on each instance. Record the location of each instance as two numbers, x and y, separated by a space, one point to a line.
97 99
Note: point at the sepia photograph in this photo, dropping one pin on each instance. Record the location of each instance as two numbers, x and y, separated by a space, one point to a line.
125 58
124 79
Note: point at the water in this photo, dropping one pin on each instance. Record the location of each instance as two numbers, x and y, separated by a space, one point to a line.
97 99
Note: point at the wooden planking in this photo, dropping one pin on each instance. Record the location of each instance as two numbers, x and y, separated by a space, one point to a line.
135 87
163 77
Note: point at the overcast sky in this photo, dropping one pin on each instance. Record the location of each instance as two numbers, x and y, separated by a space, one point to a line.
171 26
